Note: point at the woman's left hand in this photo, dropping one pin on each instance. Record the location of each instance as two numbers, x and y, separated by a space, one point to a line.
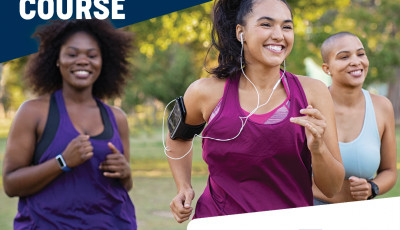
360 189
115 165
315 125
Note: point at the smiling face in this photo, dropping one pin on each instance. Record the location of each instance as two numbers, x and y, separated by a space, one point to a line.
267 33
80 61
347 61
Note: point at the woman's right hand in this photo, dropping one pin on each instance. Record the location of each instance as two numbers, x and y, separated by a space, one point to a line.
78 151
181 205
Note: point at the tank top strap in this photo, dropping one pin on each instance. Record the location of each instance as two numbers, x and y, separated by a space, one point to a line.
107 114
231 94
370 124
225 102
65 122
61 103
50 130
296 90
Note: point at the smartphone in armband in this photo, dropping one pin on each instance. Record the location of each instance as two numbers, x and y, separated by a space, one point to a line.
177 127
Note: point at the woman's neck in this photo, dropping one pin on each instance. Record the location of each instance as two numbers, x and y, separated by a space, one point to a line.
346 96
262 77
78 96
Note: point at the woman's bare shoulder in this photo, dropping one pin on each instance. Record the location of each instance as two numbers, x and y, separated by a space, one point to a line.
382 105
34 106
207 87
32 113
202 96
314 89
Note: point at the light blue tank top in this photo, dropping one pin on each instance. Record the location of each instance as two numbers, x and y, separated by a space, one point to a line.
361 157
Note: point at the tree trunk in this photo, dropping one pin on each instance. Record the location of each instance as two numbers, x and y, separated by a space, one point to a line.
394 95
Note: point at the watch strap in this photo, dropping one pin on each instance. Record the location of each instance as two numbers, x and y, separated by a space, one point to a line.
374 190
62 164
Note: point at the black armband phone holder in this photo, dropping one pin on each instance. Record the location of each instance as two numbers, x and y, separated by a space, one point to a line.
176 123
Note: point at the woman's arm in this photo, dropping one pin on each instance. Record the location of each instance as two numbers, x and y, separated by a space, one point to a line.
182 168
20 178
387 172
320 126
386 176
200 100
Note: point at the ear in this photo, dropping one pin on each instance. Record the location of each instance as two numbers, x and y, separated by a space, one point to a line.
239 30
325 68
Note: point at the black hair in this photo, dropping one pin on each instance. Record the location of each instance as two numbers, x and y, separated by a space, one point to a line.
226 15
43 74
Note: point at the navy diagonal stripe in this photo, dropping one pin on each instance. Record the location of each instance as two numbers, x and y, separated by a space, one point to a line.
15 36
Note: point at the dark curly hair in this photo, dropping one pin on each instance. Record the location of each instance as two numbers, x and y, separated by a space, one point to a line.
115 45
226 15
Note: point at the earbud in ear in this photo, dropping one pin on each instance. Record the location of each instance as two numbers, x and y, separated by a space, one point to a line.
241 38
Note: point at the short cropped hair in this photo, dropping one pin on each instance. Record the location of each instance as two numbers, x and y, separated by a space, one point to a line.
326 45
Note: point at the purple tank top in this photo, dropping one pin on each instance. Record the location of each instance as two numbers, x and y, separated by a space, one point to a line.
82 198
267 167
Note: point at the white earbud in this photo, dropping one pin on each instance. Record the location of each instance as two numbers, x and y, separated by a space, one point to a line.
241 38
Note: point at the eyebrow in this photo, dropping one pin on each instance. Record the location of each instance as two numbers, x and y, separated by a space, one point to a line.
75 48
348 51
271 19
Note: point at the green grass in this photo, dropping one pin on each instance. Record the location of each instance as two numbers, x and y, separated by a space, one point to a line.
152 196
153 184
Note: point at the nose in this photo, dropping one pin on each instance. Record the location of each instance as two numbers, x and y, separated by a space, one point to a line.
355 60
82 60
277 33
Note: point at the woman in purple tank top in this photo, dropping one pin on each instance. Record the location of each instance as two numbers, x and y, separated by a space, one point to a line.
67 154
263 163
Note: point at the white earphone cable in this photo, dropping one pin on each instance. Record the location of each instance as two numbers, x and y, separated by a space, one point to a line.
242 119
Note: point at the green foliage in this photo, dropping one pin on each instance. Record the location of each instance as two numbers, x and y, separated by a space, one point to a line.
13 90
171 49
377 25
163 76
190 26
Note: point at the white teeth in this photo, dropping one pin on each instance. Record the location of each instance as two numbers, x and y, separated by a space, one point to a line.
357 72
274 48
82 73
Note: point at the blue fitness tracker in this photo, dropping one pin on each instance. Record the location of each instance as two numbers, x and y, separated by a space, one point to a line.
62 164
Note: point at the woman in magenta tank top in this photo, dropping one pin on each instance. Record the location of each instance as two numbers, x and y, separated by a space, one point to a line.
259 157
67 154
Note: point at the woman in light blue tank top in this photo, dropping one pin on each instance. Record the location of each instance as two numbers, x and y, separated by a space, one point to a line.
365 123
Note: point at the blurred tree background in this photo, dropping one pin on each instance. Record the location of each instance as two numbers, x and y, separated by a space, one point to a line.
170 54
171 49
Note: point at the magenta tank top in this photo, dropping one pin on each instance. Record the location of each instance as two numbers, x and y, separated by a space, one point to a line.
267 167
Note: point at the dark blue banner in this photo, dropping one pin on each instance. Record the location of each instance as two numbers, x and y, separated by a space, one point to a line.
16 31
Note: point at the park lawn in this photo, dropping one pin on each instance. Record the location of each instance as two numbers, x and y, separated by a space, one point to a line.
153 184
